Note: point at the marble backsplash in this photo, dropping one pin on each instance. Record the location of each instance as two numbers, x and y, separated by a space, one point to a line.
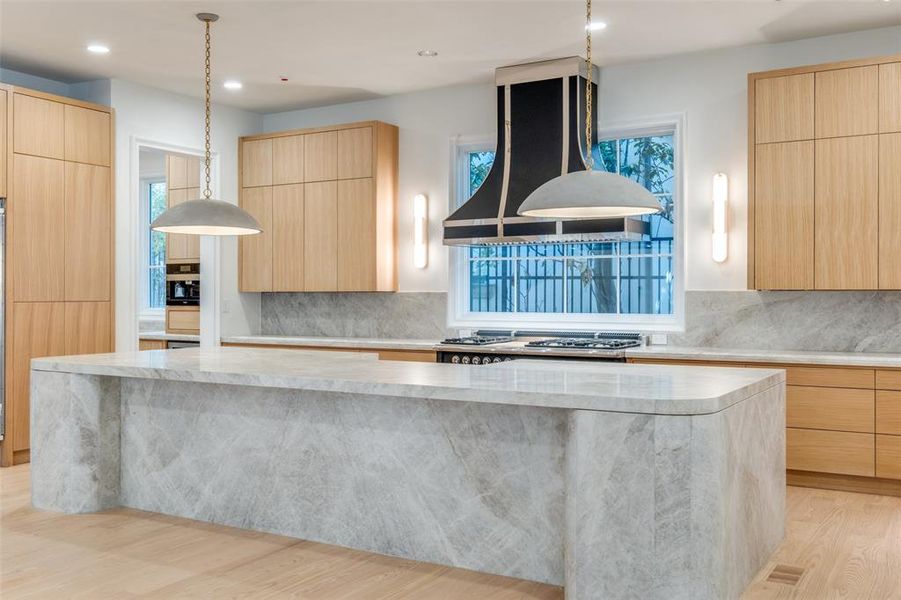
381 315
818 321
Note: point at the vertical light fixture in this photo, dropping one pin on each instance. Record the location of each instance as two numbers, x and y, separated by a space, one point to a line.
720 243
420 231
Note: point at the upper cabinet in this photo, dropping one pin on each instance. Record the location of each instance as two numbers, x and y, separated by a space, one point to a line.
182 184
847 102
4 111
326 200
784 109
823 204
87 136
39 126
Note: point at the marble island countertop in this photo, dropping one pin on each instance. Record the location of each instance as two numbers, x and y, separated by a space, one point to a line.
615 387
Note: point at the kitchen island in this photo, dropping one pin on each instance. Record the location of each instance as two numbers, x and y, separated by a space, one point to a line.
613 480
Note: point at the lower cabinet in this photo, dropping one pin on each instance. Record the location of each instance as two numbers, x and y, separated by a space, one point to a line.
46 329
152 344
837 452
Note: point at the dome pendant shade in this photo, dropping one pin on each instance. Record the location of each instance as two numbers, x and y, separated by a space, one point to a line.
206 217
589 195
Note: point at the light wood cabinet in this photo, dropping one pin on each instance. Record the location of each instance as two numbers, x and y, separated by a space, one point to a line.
183 319
847 102
784 108
784 215
287 159
60 258
849 241
888 456
87 137
320 156
4 111
888 412
835 409
890 97
890 211
830 452
355 155
38 126
332 210
320 236
182 185
847 213
256 250
36 229
88 233
287 237
256 163
144 344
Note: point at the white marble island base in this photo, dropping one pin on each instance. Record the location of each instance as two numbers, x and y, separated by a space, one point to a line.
535 470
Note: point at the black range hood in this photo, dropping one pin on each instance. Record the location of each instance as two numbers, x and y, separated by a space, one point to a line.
540 136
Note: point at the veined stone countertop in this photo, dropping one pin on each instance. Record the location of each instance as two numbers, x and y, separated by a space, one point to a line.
614 387
332 342
802 357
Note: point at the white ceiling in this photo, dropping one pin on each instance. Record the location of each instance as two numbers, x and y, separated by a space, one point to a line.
335 51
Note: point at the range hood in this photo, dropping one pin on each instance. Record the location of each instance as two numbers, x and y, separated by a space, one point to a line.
540 129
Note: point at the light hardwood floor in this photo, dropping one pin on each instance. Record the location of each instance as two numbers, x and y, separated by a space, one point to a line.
849 546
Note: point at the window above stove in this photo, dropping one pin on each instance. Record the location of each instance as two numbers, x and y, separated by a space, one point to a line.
584 286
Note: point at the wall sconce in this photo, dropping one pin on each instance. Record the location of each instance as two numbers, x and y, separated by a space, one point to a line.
420 231
720 244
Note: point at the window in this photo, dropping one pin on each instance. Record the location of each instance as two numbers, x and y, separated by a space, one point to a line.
154 196
587 285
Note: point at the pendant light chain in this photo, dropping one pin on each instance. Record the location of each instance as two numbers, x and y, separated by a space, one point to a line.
206 161
590 158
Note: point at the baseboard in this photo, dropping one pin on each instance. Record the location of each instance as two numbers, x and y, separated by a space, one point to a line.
844 483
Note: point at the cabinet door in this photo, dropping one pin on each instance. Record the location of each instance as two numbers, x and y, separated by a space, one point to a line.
256 160
287 238
847 213
176 243
784 216
192 242
783 108
176 171
256 250
87 135
355 153
38 127
88 214
37 329
192 173
287 159
830 452
320 237
88 327
847 102
890 97
3 112
37 229
356 236
890 211
320 156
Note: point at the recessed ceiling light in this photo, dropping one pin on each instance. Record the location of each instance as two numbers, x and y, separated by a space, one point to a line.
597 26
98 49
231 84
427 53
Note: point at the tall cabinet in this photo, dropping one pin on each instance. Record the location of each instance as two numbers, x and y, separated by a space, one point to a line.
824 197
325 199
59 244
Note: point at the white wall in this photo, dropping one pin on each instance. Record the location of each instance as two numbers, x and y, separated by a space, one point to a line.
152 114
709 88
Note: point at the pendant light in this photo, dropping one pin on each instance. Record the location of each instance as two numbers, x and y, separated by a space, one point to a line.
206 216
589 194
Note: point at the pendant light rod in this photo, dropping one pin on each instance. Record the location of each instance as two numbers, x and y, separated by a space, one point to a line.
589 159
207 18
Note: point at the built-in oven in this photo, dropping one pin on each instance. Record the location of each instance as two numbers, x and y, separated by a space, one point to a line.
183 284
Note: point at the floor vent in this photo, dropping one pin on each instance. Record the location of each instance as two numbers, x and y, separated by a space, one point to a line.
785 574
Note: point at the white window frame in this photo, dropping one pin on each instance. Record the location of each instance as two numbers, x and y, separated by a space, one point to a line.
144 268
459 315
